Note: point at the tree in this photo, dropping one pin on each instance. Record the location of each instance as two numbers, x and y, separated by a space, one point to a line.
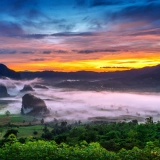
42 121
63 123
45 129
7 113
35 132
149 120
11 131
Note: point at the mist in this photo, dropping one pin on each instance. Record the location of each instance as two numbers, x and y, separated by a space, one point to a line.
68 104
14 86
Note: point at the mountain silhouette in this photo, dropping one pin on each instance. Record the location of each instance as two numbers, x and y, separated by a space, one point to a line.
6 72
142 73
145 72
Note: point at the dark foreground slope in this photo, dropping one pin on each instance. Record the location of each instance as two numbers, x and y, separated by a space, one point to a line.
6 72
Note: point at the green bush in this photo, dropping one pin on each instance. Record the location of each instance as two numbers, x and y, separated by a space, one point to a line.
50 150
43 150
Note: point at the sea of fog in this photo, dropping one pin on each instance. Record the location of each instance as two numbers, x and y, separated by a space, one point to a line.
74 104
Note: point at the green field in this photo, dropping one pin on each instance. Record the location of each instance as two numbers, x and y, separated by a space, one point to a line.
21 118
18 119
25 125
24 131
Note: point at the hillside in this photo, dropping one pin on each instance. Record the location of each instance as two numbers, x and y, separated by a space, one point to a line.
6 72
139 73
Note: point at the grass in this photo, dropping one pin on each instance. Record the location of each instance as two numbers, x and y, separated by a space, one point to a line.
25 131
4 120
25 125
21 118
17 118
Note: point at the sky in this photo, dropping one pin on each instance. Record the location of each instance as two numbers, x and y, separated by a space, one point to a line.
73 35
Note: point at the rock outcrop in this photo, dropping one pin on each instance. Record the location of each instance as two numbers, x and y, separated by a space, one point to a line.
3 91
27 88
33 105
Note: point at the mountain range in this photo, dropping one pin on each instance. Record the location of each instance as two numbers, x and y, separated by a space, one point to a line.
144 79
146 72
143 73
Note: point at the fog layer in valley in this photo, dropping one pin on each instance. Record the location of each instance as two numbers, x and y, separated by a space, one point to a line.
84 105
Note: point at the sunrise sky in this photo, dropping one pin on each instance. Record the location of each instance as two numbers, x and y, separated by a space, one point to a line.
73 35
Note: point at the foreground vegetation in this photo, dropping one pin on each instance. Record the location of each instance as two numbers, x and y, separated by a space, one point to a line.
50 150
60 140
112 136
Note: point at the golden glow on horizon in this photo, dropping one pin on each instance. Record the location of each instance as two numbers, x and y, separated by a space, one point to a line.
99 65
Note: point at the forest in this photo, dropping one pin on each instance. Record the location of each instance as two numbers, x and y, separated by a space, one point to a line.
60 140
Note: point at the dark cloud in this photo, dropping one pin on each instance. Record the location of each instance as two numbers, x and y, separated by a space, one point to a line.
43 24
67 34
65 26
60 34
10 29
35 14
80 2
10 51
19 4
47 52
34 36
152 0
27 52
147 32
94 3
20 8
54 51
96 51
148 12
120 3
60 51
118 67
38 59
6 51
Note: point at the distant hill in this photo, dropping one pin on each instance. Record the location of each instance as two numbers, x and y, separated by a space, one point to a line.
145 79
138 74
146 72
6 72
